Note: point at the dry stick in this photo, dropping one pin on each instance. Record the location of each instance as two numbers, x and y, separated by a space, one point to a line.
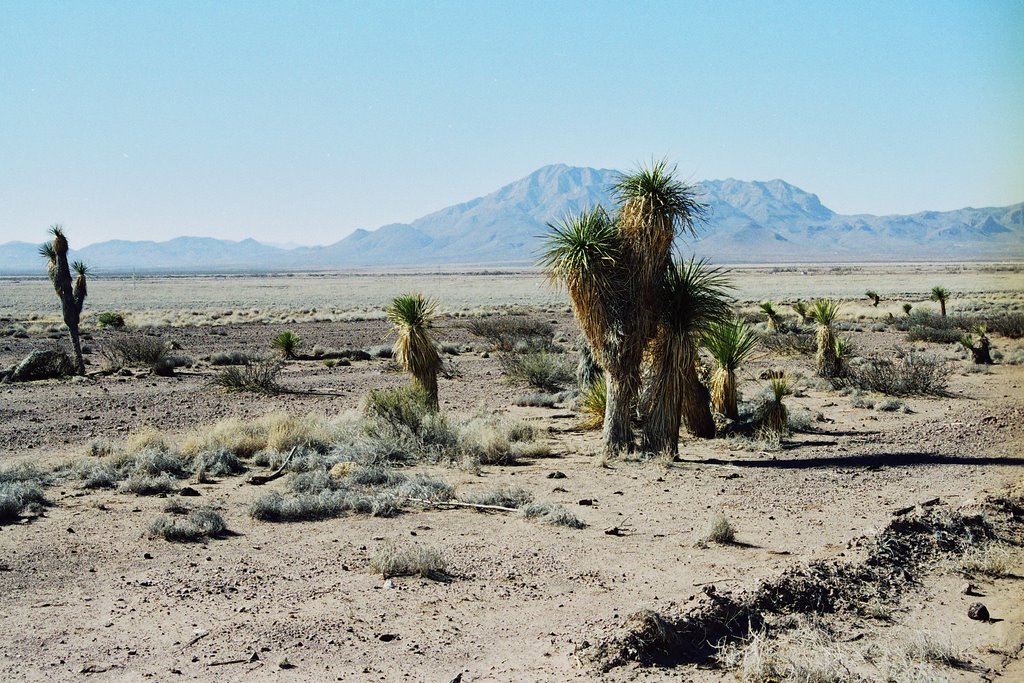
259 480
476 506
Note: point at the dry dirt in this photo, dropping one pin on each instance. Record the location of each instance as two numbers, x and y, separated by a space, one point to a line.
85 594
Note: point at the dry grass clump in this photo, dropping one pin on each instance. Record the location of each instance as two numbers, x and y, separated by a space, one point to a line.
148 485
394 559
136 350
259 377
592 404
993 560
537 400
717 529
790 343
273 507
808 655
230 358
506 497
542 370
552 513
277 432
497 440
195 526
514 334
147 439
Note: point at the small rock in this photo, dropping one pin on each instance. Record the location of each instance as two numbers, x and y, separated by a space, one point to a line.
586 502
389 584
978 612
556 475
387 637
285 664
187 491
968 588
147 556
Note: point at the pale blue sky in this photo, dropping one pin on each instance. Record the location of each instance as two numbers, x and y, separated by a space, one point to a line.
301 121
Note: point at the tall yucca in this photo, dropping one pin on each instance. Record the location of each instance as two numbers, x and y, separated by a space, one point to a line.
71 295
414 348
730 343
693 298
824 312
613 270
940 294
771 315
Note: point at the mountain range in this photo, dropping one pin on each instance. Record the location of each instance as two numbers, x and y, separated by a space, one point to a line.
748 222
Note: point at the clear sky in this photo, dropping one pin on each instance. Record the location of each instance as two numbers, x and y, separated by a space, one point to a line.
301 121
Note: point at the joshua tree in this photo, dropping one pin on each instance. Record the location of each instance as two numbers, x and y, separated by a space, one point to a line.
873 295
771 316
730 343
286 343
693 299
613 271
907 308
824 313
940 294
800 308
414 348
72 296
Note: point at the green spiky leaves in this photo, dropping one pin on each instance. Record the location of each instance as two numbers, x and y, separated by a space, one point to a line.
653 196
695 296
825 311
414 348
582 247
730 343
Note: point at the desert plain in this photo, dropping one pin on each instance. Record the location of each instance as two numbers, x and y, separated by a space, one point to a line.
90 590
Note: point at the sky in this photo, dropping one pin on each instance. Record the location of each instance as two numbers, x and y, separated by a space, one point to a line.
298 122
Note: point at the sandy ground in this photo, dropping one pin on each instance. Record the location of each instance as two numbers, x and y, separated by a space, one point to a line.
84 593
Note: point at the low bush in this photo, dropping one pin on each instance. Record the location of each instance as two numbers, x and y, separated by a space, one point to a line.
717 529
935 335
537 400
393 559
135 350
273 507
540 369
18 496
142 484
514 334
790 343
197 525
908 374
110 319
552 513
259 377
231 358
506 497
495 440
1008 324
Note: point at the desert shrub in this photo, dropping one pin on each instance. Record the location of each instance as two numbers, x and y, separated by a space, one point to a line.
259 377
97 475
329 503
287 343
926 319
799 419
142 484
19 495
110 319
381 351
552 513
216 463
935 335
393 559
341 354
513 334
717 529
136 350
991 559
1008 324
891 405
907 375
506 496
862 402
197 525
496 440
275 432
230 358
790 343
404 408
540 369
537 400
771 415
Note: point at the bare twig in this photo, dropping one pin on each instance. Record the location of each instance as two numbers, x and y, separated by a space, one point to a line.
453 503
259 479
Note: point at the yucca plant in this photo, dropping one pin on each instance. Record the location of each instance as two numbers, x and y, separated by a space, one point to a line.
693 298
286 343
771 314
773 415
980 349
844 349
873 295
800 308
730 344
414 348
612 270
940 294
907 308
824 312
593 403
71 295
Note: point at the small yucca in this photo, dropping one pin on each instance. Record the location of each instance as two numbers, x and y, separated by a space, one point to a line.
593 402
825 312
940 294
773 415
800 308
730 343
907 308
771 315
873 295
286 343
414 347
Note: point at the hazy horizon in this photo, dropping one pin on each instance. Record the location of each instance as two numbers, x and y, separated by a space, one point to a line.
295 123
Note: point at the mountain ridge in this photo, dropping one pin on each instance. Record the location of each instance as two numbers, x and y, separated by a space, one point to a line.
748 221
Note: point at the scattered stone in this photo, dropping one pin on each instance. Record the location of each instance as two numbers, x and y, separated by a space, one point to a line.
387 637
968 588
389 584
586 502
978 612
556 475
187 491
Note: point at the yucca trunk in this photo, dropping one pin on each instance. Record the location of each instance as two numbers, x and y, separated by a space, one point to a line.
697 417
427 381
828 362
942 307
775 418
71 296
723 393
663 395
618 413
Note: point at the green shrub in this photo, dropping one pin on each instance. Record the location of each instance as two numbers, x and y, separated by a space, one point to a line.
110 319
199 524
259 377
287 343
540 369
514 334
906 375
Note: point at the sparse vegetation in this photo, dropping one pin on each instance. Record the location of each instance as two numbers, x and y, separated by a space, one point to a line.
717 529
230 358
907 374
194 526
414 349
514 334
542 370
392 559
111 319
259 377
790 343
553 514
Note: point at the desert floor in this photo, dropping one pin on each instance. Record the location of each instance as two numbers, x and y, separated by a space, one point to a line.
86 593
